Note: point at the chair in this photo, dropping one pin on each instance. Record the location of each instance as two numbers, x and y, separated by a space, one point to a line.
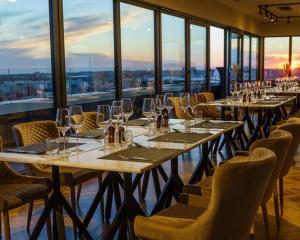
179 112
279 142
17 190
89 121
211 111
38 131
229 213
292 126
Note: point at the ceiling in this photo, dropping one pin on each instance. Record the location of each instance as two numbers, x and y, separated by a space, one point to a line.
250 8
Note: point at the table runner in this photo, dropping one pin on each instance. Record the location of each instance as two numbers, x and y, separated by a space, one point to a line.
181 137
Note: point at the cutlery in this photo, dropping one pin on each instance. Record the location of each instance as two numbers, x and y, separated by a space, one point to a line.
131 158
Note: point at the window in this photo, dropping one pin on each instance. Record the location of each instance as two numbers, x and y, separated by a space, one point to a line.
216 55
137 25
89 49
296 56
246 60
254 58
198 58
173 53
25 57
235 57
276 54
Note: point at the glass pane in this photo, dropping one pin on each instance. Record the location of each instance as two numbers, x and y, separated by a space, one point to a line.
216 55
25 57
89 50
276 54
296 56
137 25
173 53
246 58
198 58
235 56
254 58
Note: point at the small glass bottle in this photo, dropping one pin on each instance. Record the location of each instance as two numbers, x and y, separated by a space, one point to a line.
111 134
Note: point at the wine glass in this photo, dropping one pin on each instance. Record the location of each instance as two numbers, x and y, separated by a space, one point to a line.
103 116
233 89
63 122
116 115
185 101
116 103
127 109
76 120
167 101
149 110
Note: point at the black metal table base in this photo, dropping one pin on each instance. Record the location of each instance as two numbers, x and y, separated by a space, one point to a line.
57 203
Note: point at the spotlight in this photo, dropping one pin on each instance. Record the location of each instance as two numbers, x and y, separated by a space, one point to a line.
272 18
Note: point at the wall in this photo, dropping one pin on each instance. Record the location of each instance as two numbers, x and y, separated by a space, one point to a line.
213 11
279 29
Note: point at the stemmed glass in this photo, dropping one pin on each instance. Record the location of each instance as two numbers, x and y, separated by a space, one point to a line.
167 101
233 87
76 120
63 122
159 103
116 115
185 101
149 110
103 116
116 103
127 109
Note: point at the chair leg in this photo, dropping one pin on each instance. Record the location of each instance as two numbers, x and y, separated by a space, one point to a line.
73 203
78 193
49 229
29 216
6 225
102 200
281 195
266 220
277 211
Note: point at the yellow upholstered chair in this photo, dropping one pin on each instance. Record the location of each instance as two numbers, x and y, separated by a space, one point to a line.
292 126
279 142
179 112
17 190
89 121
230 211
38 131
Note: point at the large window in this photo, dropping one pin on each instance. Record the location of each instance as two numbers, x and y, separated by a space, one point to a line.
254 58
137 25
216 56
25 59
246 58
296 56
173 53
198 58
235 57
89 50
276 54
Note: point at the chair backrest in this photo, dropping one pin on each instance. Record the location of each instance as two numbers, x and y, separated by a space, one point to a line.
209 111
237 190
292 126
89 121
179 112
279 142
34 132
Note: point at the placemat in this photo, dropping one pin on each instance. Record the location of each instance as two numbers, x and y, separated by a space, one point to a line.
214 125
146 155
92 134
176 137
39 148
138 122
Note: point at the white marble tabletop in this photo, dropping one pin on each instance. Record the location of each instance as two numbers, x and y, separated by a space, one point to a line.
91 150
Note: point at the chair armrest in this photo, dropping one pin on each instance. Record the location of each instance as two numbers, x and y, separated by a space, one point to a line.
10 175
193 200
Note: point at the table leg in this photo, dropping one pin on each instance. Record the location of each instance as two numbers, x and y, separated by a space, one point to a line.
172 188
57 203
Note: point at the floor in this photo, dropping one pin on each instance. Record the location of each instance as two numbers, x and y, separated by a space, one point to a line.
290 229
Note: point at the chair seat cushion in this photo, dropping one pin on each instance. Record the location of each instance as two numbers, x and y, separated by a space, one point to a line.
16 195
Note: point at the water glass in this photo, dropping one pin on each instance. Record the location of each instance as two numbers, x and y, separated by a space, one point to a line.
63 123
128 137
167 101
149 110
52 146
76 119
116 115
127 109
103 117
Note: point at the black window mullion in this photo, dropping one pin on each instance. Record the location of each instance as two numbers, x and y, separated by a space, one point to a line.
250 57
187 55
208 70
290 52
117 49
58 53
158 52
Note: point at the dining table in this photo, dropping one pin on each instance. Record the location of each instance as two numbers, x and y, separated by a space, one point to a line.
125 165
269 110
